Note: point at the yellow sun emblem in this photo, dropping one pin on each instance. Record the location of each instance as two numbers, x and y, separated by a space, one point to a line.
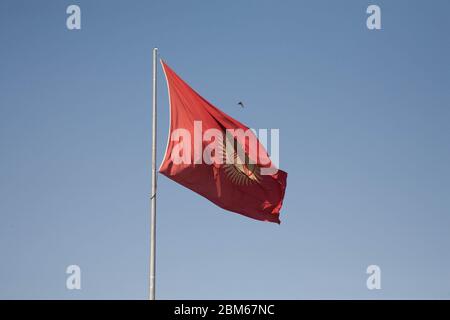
237 164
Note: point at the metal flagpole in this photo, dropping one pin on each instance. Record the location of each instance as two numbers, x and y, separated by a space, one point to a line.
153 194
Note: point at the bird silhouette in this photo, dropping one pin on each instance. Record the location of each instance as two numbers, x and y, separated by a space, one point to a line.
241 104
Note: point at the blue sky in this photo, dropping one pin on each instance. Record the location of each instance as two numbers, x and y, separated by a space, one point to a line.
364 129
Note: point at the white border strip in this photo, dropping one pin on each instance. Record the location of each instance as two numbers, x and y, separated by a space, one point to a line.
170 114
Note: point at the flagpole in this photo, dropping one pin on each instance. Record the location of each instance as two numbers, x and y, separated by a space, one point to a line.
153 194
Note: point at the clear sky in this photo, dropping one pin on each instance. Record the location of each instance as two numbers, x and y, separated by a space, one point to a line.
364 127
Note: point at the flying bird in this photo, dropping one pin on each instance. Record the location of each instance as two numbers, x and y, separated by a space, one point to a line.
241 104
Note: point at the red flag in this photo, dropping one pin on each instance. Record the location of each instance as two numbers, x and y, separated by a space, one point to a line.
218 157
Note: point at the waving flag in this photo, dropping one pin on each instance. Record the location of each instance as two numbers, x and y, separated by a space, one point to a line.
218 157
